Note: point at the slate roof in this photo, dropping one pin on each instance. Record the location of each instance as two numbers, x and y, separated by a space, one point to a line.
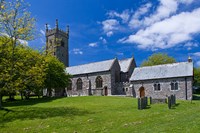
182 69
125 64
91 67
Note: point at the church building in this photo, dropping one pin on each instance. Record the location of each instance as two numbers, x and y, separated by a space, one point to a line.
120 77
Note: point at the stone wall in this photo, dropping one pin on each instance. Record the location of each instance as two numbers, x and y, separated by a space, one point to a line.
89 82
184 87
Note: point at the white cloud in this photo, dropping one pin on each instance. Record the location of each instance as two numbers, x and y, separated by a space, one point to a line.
135 19
23 42
109 34
42 32
77 51
94 44
109 26
190 45
186 1
165 9
103 40
196 54
168 32
125 15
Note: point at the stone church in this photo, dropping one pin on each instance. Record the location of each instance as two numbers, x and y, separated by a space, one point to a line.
120 77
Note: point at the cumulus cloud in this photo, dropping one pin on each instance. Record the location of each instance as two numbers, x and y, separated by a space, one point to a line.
168 32
77 51
109 26
124 16
94 44
190 45
135 19
164 10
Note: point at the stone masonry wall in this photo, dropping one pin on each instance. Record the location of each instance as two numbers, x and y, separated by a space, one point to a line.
165 85
89 81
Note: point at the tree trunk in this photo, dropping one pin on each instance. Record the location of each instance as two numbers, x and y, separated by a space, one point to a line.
49 93
21 93
0 102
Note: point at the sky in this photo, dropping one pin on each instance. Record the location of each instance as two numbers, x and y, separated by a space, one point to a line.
106 29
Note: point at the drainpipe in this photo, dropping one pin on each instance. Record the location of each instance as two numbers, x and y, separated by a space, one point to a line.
185 88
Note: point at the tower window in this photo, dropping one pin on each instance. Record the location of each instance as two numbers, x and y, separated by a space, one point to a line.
62 43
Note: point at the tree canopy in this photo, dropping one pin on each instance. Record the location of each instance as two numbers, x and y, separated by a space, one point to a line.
197 77
158 59
32 71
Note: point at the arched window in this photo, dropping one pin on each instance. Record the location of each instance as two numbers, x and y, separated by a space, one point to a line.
99 82
69 87
79 84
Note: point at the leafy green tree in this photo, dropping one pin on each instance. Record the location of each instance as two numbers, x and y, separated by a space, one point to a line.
31 70
56 77
197 77
158 59
17 24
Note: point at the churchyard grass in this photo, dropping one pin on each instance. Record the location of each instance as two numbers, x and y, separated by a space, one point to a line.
93 114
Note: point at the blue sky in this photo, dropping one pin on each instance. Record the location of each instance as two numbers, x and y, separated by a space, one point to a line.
105 29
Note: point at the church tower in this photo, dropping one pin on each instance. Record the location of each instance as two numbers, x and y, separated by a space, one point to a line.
57 43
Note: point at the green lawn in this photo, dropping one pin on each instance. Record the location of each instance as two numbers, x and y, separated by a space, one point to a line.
98 114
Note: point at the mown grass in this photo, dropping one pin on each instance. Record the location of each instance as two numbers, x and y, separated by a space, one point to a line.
97 114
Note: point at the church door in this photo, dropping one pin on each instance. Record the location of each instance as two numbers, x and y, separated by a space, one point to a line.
142 92
105 91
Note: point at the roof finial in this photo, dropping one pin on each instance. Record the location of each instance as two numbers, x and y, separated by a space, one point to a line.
46 27
56 23
189 59
68 29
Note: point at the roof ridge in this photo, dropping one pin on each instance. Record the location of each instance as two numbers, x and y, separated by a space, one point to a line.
163 64
91 63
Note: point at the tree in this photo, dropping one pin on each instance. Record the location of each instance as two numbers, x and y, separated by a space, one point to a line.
197 77
158 59
56 77
31 70
16 24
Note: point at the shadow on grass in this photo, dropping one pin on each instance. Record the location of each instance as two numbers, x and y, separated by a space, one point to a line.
196 97
30 101
30 113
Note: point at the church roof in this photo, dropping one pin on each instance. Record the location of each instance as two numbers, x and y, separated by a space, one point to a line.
182 69
91 67
125 64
